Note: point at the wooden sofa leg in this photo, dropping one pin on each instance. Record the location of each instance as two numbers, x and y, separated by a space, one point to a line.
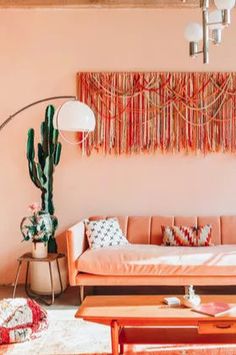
81 293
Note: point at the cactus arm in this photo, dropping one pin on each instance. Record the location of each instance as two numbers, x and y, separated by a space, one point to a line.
34 175
41 157
44 137
49 116
57 154
55 136
30 145
30 167
40 175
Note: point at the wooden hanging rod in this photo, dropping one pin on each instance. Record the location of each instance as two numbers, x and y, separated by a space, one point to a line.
165 4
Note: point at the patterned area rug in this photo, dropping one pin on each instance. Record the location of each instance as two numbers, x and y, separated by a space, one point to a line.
67 335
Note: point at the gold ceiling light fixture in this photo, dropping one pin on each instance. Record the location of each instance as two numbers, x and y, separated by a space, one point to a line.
213 23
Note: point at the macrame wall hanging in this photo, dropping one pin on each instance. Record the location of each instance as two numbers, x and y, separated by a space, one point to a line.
151 112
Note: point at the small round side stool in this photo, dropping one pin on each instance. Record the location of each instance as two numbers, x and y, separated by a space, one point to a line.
27 257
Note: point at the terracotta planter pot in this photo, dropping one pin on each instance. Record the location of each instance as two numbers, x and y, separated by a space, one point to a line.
39 250
40 278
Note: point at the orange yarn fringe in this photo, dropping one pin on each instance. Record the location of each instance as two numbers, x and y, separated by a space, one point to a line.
165 112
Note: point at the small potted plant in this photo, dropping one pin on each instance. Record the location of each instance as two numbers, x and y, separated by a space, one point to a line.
38 227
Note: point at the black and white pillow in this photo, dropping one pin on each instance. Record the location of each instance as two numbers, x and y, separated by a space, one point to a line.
104 233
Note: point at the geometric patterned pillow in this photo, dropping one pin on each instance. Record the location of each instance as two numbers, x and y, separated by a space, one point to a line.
104 233
204 235
187 236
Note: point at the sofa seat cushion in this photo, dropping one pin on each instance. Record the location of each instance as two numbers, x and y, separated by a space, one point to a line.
141 260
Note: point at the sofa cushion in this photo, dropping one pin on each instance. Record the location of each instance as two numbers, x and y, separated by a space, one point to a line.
187 236
104 233
147 229
141 260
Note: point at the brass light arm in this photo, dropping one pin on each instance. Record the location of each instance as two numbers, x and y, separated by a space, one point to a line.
9 119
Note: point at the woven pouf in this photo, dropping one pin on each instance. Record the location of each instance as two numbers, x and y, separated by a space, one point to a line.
21 319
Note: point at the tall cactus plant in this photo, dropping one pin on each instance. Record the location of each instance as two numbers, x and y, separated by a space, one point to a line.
41 170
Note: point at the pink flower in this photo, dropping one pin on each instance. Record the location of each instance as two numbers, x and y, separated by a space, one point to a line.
34 207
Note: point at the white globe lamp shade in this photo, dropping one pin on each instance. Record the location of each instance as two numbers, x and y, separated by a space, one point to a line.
224 4
215 16
74 116
193 32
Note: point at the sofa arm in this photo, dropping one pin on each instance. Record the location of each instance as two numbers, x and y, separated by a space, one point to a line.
76 245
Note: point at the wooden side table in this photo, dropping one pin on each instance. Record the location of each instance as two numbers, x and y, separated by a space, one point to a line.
27 257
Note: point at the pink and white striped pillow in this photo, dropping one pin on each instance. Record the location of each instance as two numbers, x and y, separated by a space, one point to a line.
187 236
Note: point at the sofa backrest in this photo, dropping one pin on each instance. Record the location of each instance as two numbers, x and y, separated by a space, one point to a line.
147 230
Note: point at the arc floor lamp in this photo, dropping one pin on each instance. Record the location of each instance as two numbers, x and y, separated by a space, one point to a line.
72 115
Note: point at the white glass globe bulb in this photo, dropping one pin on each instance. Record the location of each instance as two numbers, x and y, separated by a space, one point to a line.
193 32
215 16
224 4
74 116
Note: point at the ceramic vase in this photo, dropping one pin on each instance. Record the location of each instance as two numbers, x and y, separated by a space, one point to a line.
190 298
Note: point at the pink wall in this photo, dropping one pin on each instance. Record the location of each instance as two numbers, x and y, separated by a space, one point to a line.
41 51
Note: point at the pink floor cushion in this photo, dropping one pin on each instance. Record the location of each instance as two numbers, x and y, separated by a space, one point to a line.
21 319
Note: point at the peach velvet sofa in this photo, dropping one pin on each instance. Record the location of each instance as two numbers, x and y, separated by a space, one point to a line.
146 262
